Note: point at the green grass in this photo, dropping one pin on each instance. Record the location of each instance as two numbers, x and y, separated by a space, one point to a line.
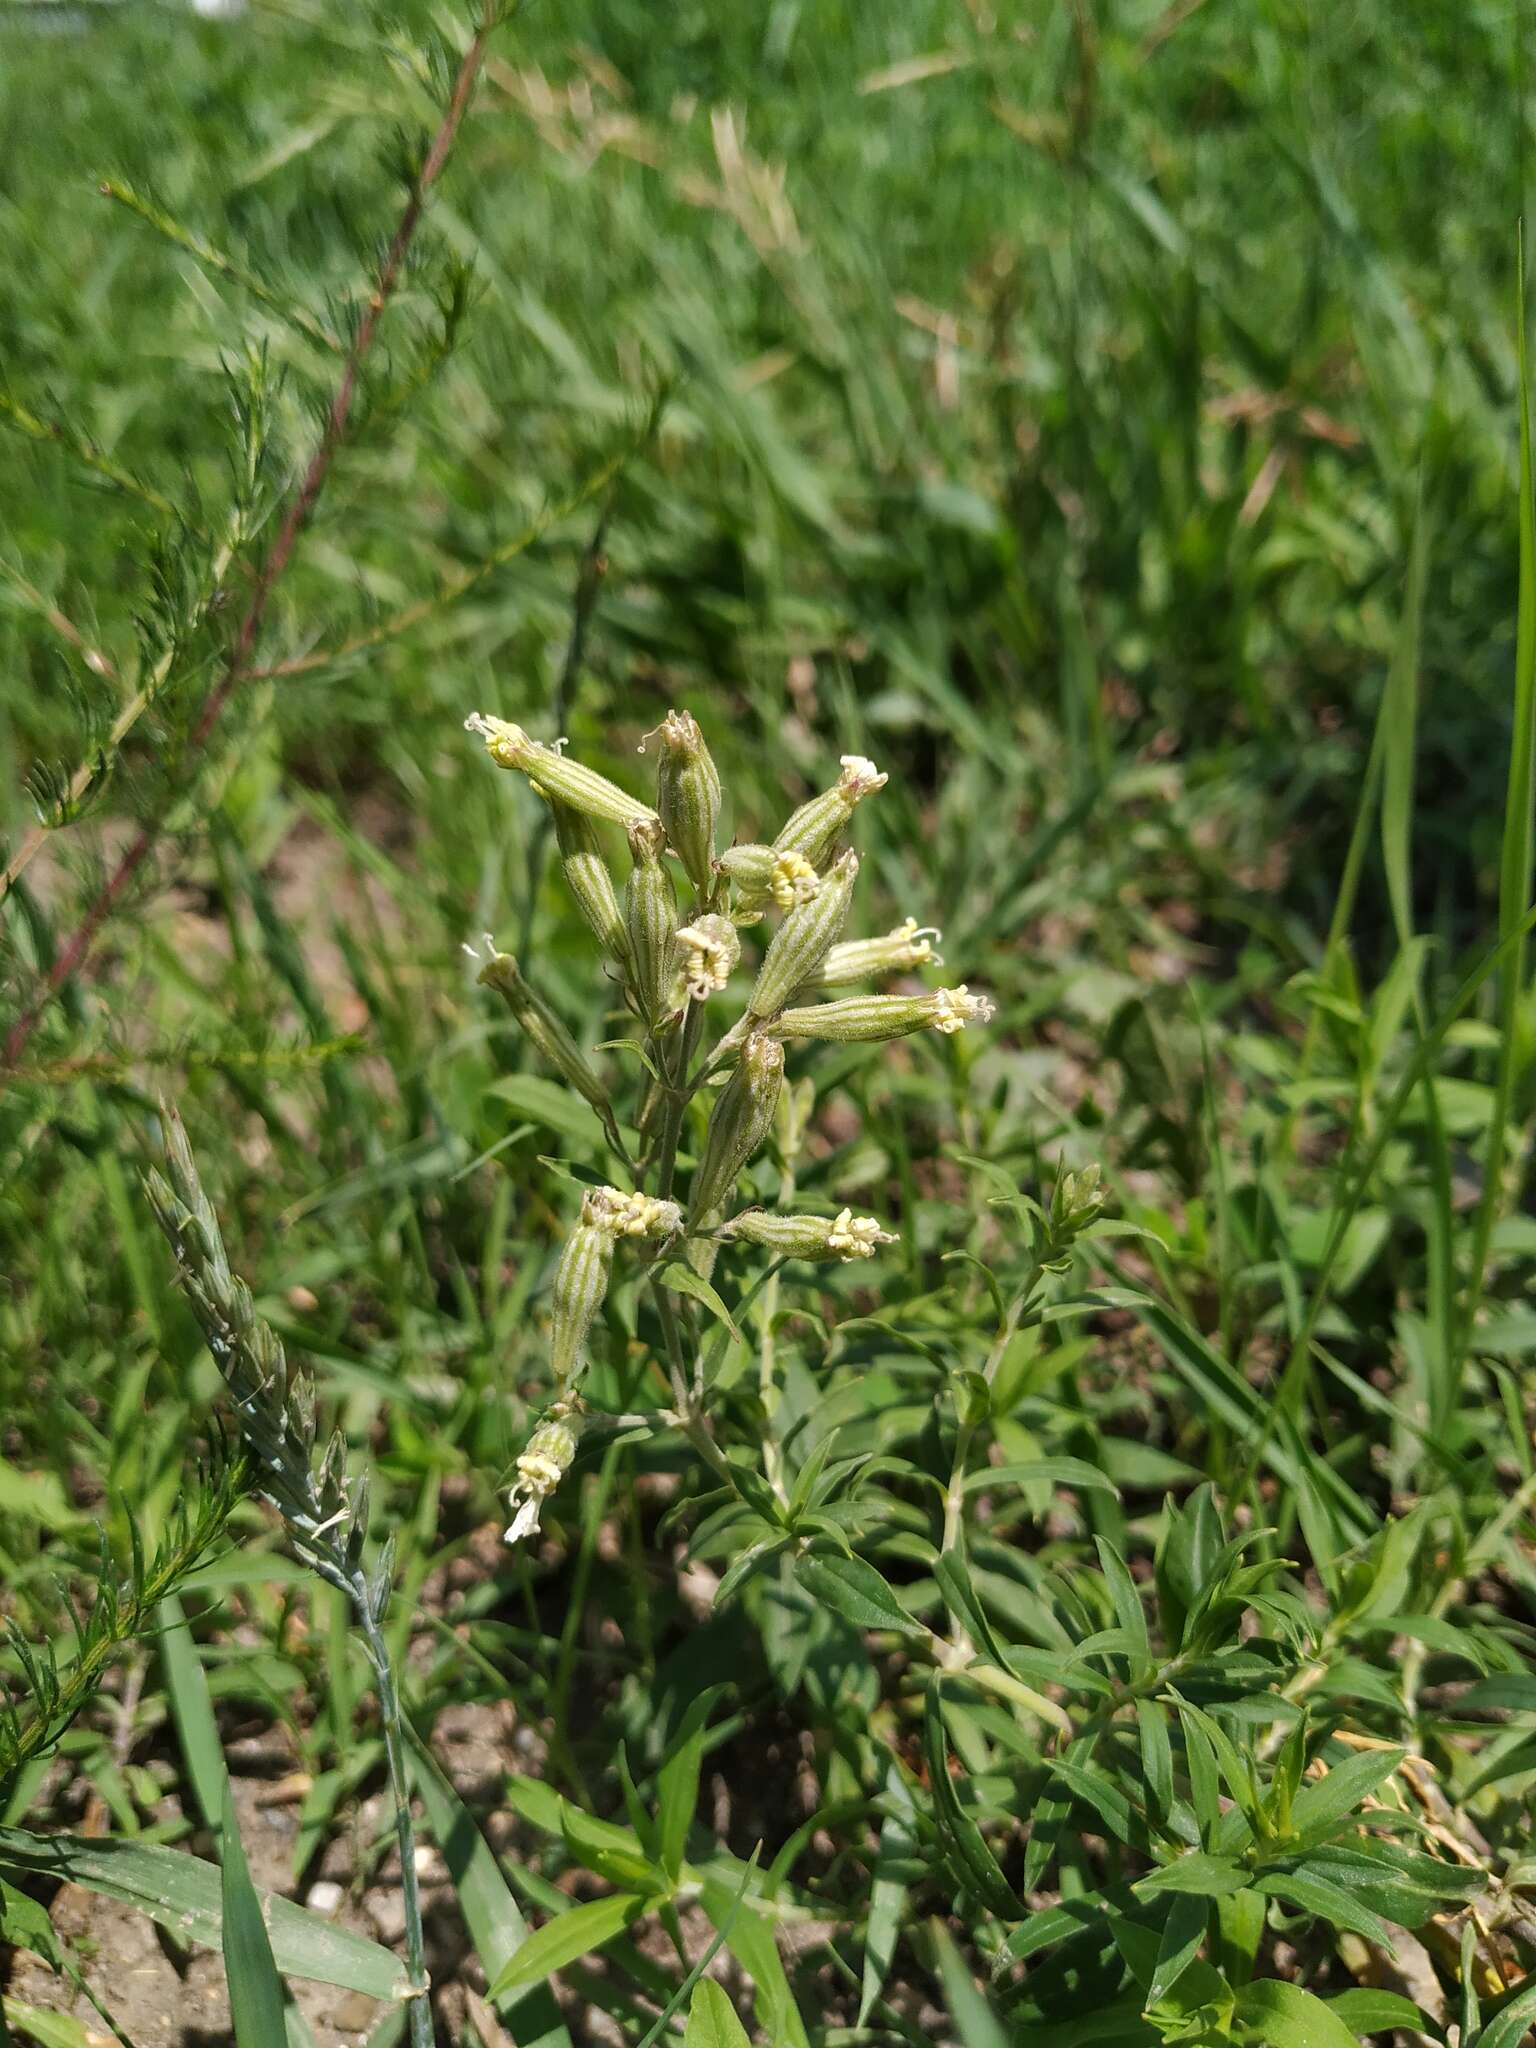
1114 426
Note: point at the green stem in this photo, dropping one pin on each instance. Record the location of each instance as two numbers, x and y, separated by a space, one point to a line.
422 2034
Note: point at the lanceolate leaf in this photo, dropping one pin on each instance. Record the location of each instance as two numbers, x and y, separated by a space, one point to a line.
566 1939
855 1590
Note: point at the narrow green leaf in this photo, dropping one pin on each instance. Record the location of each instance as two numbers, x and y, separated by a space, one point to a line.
682 1279
975 2021
973 1860
855 1590
186 1685
1366 2011
887 1903
1322 1805
1183 1932
712 2021
566 1939
255 1988
1075 1472
749 1937
677 1782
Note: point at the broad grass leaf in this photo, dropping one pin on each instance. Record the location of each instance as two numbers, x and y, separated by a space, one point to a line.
566 1940
183 1893
255 1988
712 2020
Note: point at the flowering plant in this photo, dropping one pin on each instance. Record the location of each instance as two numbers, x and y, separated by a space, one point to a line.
673 950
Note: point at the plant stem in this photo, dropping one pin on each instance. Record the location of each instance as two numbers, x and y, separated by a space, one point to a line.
422 2035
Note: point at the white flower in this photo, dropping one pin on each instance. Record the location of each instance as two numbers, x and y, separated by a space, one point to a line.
855 1237
793 881
954 1008
859 776
710 949
539 1471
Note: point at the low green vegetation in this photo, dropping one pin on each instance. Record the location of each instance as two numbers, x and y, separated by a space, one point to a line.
1021 1533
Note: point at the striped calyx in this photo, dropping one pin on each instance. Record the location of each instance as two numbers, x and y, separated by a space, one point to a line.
856 1020
650 920
543 1028
741 1120
864 959
813 829
844 1236
804 939
687 795
581 1283
566 782
587 876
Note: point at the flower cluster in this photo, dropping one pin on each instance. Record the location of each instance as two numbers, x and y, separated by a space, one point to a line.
670 934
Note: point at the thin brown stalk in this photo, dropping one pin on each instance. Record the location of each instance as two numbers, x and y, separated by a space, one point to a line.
237 664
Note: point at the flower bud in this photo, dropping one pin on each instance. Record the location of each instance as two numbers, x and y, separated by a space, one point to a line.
587 877
741 1120
857 1020
543 1028
707 952
650 920
804 939
862 959
540 1469
1076 1199
566 781
812 830
844 1236
687 795
749 871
